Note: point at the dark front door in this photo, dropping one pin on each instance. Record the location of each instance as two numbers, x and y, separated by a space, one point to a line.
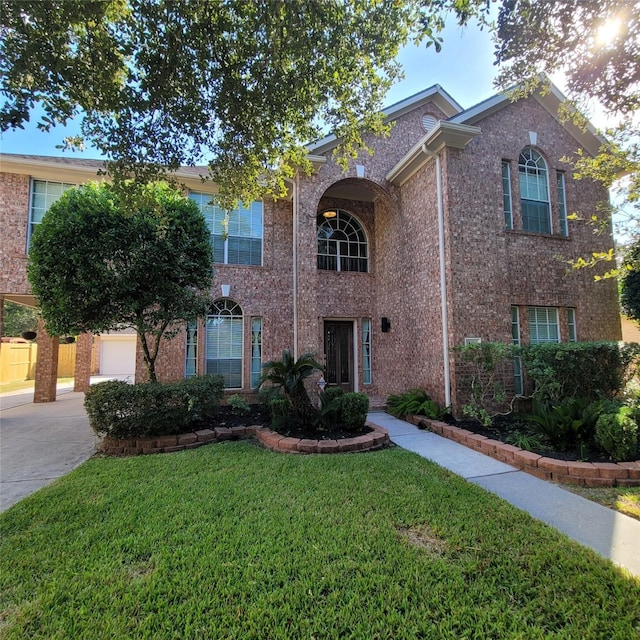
338 349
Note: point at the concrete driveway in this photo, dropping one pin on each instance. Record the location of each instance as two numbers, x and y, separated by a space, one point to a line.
41 442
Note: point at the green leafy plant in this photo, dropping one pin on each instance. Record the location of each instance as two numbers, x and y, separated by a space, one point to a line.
238 404
122 410
487 367
414 402
353 410
567 424
330 404
617 433
289 376
524 440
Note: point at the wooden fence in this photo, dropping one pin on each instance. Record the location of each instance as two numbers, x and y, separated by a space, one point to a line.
18 361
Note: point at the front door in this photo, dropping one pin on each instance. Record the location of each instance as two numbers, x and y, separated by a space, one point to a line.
338 349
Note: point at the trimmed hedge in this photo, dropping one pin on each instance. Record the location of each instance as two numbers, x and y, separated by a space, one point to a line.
121 410
353 410
591 370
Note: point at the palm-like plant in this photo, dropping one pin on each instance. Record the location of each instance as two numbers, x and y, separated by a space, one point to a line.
289 374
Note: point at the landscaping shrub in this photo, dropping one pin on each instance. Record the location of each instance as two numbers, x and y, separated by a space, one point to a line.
590 370
488 366
238 404
121 410
567 424
353 410
617 433
330 404
279 410
414 402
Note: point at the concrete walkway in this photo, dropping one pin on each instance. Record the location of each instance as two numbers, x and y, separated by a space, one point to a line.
41 442
612 534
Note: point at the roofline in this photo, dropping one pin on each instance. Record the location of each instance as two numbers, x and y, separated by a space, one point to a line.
551 100
444 134
435 93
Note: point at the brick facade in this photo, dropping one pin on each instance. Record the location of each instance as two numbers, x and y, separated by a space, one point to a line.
488 269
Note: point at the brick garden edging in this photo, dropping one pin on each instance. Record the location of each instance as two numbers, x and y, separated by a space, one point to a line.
590 474
376 439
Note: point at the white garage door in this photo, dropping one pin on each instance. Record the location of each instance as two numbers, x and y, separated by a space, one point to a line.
118 356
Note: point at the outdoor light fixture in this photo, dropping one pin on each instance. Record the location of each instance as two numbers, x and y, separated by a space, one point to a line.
329 214
386 325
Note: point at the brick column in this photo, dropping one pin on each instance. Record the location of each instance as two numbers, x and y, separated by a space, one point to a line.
83 362
46 366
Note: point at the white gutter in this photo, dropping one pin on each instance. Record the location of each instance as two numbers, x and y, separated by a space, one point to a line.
443 278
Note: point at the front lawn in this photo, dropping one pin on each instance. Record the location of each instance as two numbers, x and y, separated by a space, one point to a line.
233 541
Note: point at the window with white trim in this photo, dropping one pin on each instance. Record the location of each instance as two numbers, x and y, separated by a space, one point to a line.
534 192
236 239
571 322
43 194
256 351
191 351
342 243
366 351
224 342
506 194
517 362
543 325
562 204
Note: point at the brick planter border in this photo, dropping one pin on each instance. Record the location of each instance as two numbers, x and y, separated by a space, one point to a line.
376 439
589 474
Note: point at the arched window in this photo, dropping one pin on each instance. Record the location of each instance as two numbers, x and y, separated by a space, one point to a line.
534 192
342 244
224 342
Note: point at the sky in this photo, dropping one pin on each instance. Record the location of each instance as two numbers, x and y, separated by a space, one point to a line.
464 68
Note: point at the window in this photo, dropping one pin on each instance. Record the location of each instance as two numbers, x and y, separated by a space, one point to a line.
506 194
517 362
571 321
243 231
342 244
534 192
191 351
562 204
43 195
543 325
366 351
224 342
256 352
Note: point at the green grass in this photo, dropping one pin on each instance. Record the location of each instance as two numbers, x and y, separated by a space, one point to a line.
623 499
233 541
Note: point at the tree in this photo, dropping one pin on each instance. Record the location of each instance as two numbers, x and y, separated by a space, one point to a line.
95 265
630 283
596 45
17 318
243 84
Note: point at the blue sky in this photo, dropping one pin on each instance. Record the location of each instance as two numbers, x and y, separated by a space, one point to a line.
464 68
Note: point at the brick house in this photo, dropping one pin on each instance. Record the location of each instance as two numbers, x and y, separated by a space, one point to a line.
449 232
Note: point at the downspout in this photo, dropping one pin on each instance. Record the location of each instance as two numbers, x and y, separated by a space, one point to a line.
443 277
296 207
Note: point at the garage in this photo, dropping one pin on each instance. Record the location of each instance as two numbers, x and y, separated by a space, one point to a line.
118 354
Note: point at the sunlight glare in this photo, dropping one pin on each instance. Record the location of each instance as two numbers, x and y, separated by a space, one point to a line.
608 31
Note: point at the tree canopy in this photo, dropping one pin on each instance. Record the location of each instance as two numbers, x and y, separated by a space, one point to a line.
240 84
596 45
95 265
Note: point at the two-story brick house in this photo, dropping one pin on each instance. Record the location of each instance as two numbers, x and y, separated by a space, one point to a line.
450 231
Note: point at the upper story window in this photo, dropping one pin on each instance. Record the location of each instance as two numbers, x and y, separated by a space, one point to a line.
562 203
238 240
43 195
342 244
506 194
534 192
